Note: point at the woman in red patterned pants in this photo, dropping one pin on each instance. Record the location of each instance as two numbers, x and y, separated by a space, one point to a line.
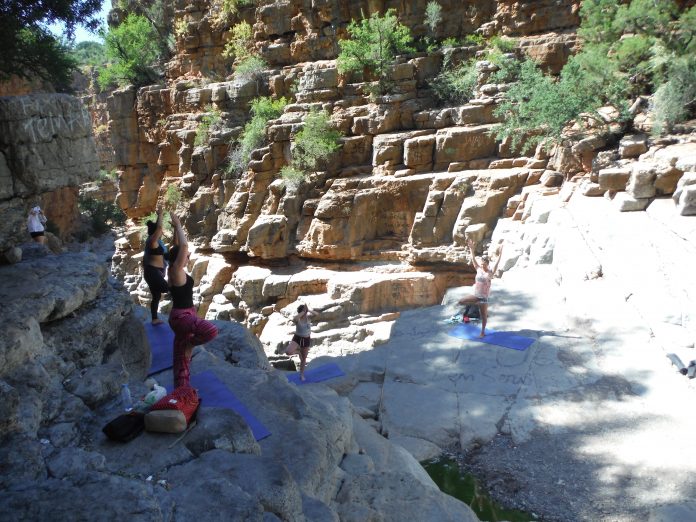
189 329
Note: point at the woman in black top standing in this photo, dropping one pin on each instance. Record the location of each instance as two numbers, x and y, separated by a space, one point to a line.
154 263
189 329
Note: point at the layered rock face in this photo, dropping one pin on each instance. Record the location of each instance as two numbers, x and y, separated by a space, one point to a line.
411 183
292 32
46 152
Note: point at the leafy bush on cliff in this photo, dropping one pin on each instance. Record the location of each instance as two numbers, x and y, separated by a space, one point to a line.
316 141
675 99
209 121
263 110
132 55
373 45
172 197
250 67
312 147
455 85
291 175
241 42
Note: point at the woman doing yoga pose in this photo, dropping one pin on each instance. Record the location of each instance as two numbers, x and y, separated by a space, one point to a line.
189 329
154 258
482 284
301 340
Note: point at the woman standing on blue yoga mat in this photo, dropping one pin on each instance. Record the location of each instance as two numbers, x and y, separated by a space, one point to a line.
301 340
482 284
189 329
153 264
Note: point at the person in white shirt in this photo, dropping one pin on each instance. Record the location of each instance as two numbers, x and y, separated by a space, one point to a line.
36 224
301 340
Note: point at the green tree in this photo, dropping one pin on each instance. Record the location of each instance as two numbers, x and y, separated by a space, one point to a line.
29 50
629 48
129 47
89 53
373 45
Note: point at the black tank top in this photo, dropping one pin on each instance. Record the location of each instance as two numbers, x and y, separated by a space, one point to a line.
157 251
182 296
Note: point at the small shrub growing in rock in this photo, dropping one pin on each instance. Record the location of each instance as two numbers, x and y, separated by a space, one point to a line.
180 28
373 45
433 15
292 176
250 67
675 99
107 175
503 44
102 214
241 42
263 110
313 146
172 197
316 141
455 85
208 122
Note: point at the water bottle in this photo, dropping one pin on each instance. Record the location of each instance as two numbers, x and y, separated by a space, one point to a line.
126 399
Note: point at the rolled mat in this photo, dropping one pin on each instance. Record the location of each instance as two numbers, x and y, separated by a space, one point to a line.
504 339
161 338
317 374
215 394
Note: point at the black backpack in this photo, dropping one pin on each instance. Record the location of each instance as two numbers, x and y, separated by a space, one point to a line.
126 427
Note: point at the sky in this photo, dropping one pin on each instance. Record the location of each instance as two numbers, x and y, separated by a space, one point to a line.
81 34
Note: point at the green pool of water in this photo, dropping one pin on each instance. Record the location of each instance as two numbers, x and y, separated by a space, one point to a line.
446 474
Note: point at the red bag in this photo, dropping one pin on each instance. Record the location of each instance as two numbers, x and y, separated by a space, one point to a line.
173 412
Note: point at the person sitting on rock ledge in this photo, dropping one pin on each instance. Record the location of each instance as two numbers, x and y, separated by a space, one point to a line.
189 329
301 340
482 284
154 258
36 224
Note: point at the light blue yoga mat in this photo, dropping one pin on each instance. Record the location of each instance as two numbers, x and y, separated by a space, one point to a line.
161 338
318 374
214 393
505 339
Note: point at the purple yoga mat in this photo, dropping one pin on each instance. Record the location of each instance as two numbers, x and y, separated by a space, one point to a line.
505 339
318 374
214 394
161 338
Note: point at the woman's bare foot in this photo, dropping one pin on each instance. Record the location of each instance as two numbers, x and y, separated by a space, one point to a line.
483 334
302 377
157 321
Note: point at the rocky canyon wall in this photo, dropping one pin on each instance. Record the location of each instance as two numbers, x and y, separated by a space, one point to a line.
410 184
46 151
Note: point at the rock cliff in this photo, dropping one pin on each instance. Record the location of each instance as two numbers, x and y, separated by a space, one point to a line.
46 152
410 184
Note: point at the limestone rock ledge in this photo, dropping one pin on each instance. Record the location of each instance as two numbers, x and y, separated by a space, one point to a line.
70 338
46 151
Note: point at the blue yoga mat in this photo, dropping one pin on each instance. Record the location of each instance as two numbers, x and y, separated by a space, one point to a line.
505 339
318 374
214 393
161 338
